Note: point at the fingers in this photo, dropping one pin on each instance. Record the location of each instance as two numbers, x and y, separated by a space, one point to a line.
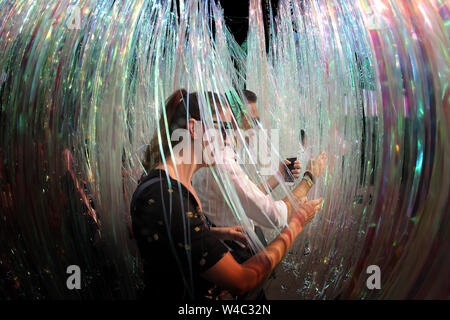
315 202
238 228
318 207
317 165
297 163
295 173
236 233
323 162
309 165
310 208
239 236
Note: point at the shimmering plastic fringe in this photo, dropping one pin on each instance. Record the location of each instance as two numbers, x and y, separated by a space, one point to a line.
82 87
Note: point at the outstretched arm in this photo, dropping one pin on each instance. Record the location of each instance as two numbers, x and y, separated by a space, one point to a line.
258 206
241 278
315 167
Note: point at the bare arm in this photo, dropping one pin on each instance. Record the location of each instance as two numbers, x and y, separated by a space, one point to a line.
297 194
272 183
241 278
316 167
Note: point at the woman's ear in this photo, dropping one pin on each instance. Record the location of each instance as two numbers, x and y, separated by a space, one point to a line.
195 128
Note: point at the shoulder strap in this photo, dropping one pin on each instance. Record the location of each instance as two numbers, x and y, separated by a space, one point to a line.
139 190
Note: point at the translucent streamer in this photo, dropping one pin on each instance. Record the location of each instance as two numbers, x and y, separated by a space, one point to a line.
83 85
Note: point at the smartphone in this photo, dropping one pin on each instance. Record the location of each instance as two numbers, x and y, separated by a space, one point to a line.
288 177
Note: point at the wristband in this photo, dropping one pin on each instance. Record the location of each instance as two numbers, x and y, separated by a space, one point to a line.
310 175
308 181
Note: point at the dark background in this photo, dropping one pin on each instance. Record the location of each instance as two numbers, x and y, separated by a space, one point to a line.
236 17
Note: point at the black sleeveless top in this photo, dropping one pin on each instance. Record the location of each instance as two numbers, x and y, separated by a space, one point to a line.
174 240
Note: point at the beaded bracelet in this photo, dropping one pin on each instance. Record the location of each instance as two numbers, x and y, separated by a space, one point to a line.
308 180
310 175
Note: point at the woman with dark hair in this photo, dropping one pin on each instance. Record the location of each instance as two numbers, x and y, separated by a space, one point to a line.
182 255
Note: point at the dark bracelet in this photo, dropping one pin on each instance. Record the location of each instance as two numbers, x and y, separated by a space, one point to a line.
310 175
308 180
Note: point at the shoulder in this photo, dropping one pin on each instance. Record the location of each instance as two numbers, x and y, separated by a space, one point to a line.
155 192
150 186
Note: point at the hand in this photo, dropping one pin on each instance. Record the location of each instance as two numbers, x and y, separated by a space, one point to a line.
230 233
295 172
308 209
317 165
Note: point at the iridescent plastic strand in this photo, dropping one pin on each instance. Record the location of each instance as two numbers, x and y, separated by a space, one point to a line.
83 85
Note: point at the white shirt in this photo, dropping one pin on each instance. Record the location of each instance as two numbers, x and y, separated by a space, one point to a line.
259 207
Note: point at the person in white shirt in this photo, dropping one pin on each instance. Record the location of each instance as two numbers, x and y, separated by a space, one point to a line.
258 205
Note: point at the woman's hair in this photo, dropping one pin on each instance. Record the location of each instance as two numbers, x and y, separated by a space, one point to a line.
180 106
